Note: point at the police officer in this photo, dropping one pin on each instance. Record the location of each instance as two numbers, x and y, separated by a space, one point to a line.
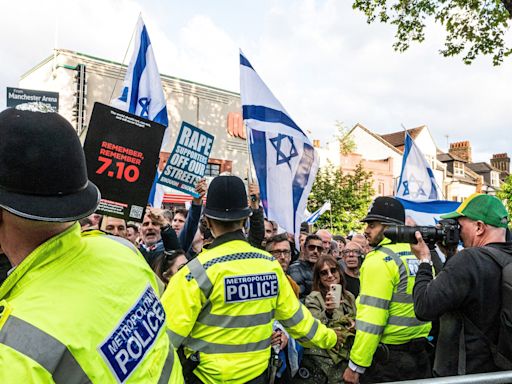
74 309
390 343
221 305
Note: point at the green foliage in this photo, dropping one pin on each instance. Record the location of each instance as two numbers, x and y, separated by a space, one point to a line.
347 144
474 27
505 194
350 196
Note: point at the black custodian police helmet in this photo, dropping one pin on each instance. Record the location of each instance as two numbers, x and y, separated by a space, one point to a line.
226 199
386 210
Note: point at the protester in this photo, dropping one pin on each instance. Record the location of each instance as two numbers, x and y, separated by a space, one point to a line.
334 250
132 233
269 231
210 311
95 219
69 298
279 246
185 223
326 237
301 271
113 226
390 343
363 242
327 366
168 263
151 244
341 242
466 294
352 261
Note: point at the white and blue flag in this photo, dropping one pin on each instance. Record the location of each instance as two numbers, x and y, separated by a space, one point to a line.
143 95
417 181
319 212
417 189
284 158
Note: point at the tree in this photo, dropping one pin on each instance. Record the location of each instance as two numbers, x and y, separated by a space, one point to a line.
350 196
474 27
505 193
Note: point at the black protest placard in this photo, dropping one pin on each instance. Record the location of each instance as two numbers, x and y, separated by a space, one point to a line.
188 160
122 151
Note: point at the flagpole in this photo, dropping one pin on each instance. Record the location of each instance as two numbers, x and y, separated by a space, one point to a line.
124 59
330 214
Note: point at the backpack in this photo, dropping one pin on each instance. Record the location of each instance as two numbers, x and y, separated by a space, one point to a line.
502 351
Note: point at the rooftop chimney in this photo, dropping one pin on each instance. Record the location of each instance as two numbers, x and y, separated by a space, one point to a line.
461 149
501 161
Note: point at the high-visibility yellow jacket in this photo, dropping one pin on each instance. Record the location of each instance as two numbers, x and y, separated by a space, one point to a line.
385 310
222 305
83 309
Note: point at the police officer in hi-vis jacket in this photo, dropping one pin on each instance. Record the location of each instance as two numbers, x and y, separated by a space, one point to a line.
222 304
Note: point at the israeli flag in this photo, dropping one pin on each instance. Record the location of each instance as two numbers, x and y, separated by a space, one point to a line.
284 158
426 212
142 92
319 212
417 180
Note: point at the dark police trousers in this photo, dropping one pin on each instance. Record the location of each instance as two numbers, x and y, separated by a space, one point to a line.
261 379
407 361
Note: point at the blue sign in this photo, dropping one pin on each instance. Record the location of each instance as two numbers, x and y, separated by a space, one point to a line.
250 287
188 160
127 345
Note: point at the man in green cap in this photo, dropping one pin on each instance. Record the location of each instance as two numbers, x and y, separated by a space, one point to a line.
466 294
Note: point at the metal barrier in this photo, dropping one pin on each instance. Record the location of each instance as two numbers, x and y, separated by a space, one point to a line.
480 378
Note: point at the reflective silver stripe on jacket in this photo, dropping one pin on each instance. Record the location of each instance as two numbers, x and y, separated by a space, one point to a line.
169 363
208 347
199 274
369 327
176 339
402 285
309 336
373 301
43 348
123 241
295 319
405 321
227 321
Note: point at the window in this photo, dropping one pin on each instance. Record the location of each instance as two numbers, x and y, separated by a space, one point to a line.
212 170
495 179
381 189
458 168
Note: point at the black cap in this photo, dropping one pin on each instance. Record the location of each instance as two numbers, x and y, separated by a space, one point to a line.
226 199
43 175
386 210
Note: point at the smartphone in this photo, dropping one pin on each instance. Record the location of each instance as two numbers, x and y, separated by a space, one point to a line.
336 290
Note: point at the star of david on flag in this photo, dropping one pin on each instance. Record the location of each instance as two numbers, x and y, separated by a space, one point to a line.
143 95
284 158
417 180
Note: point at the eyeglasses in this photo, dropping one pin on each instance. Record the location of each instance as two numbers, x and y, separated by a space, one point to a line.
325 272
312 247
279 252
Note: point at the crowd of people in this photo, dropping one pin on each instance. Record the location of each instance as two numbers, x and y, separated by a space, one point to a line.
217 293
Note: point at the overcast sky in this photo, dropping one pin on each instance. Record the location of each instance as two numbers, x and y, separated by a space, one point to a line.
320 58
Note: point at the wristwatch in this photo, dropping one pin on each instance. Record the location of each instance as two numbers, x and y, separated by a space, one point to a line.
428 261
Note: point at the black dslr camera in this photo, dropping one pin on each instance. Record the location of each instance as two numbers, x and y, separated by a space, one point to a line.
448 234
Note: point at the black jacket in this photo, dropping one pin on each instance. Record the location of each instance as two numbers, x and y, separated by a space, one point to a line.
467 292
301 272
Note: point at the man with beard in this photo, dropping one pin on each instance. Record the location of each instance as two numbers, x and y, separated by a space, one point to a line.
390 343
151 244
301 270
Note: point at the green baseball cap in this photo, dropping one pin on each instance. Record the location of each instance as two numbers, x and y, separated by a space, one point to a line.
481 207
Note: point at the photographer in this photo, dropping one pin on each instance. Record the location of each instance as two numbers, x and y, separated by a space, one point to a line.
466 294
